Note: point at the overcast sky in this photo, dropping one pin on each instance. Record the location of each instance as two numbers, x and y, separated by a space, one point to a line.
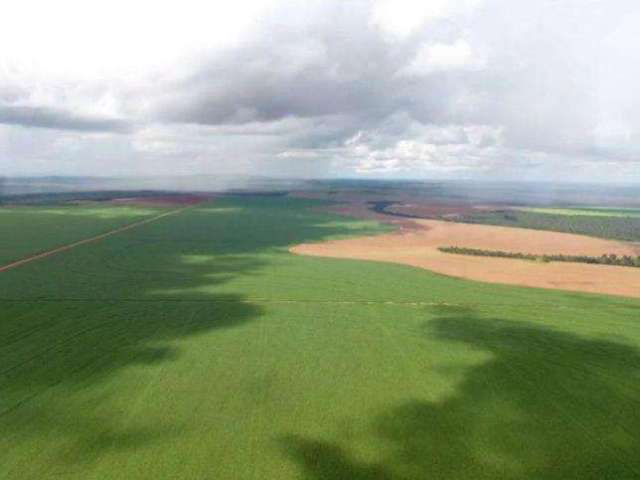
499 89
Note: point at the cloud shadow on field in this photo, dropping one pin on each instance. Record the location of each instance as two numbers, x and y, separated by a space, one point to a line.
55 361
603 302
548 404
76 320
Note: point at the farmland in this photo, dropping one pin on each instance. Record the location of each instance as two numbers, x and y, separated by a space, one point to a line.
599 224
198 346
626 261
424 244
27 230
588 212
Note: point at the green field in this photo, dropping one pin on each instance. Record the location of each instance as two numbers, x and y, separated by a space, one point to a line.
589 212
592 222
198 347
29 230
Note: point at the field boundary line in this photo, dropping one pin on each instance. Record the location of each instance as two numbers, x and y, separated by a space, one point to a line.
260 300
69 246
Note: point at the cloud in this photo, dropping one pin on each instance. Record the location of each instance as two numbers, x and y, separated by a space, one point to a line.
401 18
430 150
367 87
42 117
442 57
331 62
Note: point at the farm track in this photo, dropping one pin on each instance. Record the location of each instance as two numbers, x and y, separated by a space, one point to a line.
95 238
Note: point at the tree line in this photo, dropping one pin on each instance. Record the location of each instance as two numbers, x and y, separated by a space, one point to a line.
606 259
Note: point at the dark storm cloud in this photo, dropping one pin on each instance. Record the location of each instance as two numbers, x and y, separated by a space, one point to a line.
332 63
42 117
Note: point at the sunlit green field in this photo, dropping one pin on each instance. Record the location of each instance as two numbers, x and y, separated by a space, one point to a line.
604 223
590 212
198 347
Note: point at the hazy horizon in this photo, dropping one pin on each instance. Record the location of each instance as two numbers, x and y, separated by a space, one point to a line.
497 192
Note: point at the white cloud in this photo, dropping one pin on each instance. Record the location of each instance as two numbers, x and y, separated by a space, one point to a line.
321 87
434 57
90 39
403 17
431 149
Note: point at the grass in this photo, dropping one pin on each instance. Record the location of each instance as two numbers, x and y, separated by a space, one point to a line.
595 223
198 347
30 230
590 212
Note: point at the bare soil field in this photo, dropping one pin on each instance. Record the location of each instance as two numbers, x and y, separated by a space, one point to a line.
418 247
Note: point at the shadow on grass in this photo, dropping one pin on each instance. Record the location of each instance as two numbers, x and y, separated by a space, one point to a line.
604 302
547 405
325 461
59 358
76 320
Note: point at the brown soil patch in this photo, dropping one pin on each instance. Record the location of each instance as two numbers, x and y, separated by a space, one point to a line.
418 247
489 237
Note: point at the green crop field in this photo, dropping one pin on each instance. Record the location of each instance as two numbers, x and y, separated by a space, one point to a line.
592 222
28 230
197 347
589 212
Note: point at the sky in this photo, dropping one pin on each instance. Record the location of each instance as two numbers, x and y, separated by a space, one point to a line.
473 89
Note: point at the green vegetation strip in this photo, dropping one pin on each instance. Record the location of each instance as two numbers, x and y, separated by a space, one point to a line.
203 349
614 227
63 248
607 259
27 231
593 212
